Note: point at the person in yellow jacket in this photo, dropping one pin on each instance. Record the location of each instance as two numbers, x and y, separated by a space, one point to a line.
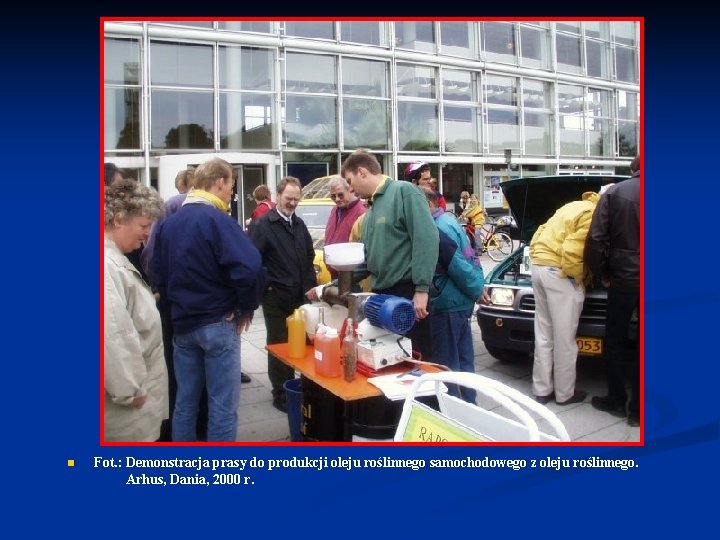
473 217
556 252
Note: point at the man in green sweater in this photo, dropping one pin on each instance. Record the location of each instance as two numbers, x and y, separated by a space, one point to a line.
401 240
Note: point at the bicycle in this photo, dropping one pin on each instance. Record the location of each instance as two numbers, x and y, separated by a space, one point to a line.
497 245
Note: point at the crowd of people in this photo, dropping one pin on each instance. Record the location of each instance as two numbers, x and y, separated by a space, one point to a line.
183 280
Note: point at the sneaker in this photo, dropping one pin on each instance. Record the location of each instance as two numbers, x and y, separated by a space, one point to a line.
245 378
633 420
606 404
545 399
578 397
280 402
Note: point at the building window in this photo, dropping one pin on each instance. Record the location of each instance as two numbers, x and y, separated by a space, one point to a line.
260 27
364 77
368 33
601 134
597 53
569 53
246 121
503 113
419 36
181 119
316 30
461 128
418 126
181 64
246 68
121 116
628 133
625 33
416 81
535 47
626 65
571 120
539 128
457 39
499 42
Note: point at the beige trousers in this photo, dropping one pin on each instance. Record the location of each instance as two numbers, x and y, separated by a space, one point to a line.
558 303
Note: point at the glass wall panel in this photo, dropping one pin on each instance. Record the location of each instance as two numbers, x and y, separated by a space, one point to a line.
181 64
597 59
181 119
245 68
569 54
624 32
626 64
537 94
419 36
597 29
571 120
628 138
628 106
568 26
416 81
364 77
539 134
311 73
600 137
457 39
315 29
501 90
262 27
122 118
535 47
246 121
503 129
310 122
499 41
461 129
369 33
122 61
418 126
457 85
366 124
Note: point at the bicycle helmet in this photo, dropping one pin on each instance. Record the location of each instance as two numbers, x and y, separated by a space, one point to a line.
413 170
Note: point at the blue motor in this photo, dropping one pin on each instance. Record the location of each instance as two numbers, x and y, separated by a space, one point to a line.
393 313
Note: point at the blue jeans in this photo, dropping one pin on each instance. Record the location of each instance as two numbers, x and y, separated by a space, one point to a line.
453 346
207 356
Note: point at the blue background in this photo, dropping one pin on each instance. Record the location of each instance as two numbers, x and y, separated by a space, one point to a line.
51 344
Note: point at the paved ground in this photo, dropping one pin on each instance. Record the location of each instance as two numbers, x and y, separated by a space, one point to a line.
259 421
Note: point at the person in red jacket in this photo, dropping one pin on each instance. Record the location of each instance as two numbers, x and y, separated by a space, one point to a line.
261 194
348 208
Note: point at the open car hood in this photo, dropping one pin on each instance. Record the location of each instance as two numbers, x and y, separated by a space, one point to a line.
533 200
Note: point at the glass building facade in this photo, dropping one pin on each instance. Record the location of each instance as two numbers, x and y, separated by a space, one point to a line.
479 101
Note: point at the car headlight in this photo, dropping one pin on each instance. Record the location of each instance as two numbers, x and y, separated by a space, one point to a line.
501 296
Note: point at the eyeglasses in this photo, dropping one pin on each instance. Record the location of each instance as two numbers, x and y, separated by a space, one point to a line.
334 196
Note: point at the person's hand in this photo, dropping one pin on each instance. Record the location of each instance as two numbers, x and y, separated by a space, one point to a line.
312 294
243 323
484 299
420 299
139 401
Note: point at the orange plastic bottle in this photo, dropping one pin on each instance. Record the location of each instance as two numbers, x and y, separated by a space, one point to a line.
296 334
327 354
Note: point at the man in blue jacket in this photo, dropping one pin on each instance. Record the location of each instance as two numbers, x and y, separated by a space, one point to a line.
211 274
457 285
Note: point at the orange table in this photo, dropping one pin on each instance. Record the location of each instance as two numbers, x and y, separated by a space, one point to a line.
351 393
347 391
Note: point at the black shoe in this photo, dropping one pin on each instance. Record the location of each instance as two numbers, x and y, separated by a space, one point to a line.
245 378
608 405
545 399
280 402
633 420
578 397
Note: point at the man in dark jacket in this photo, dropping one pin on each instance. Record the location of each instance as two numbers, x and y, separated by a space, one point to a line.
287 254
211 275
612 254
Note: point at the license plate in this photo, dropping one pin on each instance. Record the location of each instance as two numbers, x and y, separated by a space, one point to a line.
589 345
